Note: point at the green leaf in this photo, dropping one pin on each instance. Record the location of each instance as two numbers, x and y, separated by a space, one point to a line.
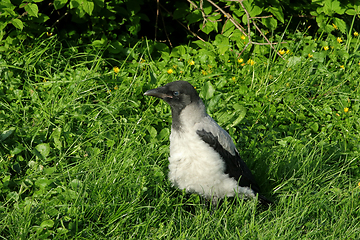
18 149
115 47
209 26
340 24
178 51
76 184
47 224
255 11
32 9
43 149
208 90
88 7
42 182
59 3
222 43
56 136
7 133
228 28
50 170
278 13
194 17
100 3
314 126
240 112
270 23
74 3
18 23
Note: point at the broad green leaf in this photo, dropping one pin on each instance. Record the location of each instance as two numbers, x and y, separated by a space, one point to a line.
178 51
42 182
340 24
59 3
314 126
228 28
12 196
88 7
18 149
74 3
164 133
32 9
208 90
270 23
7 133
50 170
193 17
255 11
115 47
222 43
208 27
18 23
43 149
47 223
240 112
207 7
100 3
56 135
76 184
278 13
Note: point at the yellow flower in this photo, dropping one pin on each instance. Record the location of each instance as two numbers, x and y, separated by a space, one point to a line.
181 72
242 37
116 87
108 91
335 27
116 69
192 63
203 72
170 71
359 184
359 63
346 109
142 60
310 55
326 48
337 114
49 34
251 62
342 66
356 34
243 64
240 60
339 40
233 78
287 51
282 51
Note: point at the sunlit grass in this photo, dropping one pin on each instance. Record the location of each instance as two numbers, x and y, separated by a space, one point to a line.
87 153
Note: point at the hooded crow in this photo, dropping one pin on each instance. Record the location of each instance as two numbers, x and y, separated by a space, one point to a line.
203 158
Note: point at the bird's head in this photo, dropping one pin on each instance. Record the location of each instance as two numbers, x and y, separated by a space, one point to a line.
177 94
186 105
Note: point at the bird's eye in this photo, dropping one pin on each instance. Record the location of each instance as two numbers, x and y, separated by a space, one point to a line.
176 94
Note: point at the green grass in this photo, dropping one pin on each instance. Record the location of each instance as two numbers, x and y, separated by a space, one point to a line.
83 154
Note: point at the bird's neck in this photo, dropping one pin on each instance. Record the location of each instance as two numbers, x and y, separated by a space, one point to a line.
187 117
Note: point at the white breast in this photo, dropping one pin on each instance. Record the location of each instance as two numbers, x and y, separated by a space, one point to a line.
196 167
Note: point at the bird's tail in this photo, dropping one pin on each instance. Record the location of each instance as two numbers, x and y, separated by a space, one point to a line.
263 200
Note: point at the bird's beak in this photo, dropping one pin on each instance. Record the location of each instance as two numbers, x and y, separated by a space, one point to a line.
159 92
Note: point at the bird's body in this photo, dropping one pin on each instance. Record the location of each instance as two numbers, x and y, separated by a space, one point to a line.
203 157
